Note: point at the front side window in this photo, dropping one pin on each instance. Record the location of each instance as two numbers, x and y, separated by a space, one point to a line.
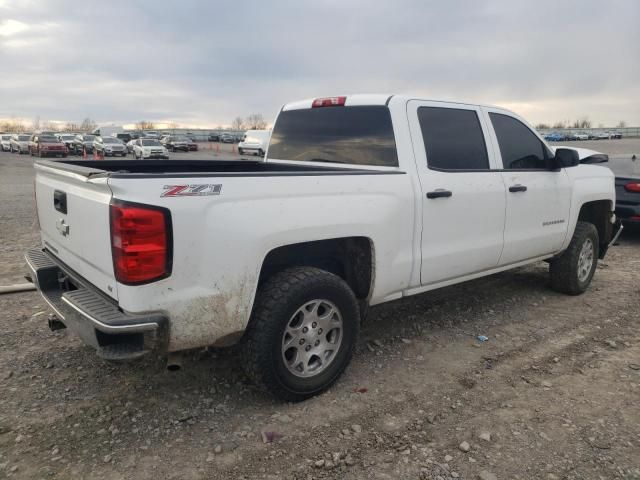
453 139
520 148
359 135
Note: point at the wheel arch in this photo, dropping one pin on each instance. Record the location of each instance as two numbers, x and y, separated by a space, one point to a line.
598 213
350 258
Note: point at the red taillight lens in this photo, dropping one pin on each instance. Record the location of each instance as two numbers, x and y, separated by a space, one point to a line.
632 187
329 102
140 243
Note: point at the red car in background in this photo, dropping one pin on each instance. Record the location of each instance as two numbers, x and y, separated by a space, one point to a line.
45 145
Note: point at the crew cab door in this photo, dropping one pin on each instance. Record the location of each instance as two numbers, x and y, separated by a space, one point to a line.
538 198
463 197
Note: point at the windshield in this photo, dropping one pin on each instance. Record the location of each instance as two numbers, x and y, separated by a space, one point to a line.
150 143
6 137
48 138
360 135
23 138
88 138
67 137
110 140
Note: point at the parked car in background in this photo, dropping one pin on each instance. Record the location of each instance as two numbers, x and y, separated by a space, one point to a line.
19 143
602 136
67 139
627 172
579 136
214 137
146 148
83 143
227 138
47 146
151 134
5 142
124 137
555 137
108 130
174 143
109 146
616 135
255 142
191 143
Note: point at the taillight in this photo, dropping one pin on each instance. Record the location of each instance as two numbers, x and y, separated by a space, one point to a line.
632 187
140 242
329 102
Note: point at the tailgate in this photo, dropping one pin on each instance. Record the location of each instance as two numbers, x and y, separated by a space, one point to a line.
73 211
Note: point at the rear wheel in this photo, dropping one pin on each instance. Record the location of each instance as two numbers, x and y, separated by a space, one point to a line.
571 272
302 333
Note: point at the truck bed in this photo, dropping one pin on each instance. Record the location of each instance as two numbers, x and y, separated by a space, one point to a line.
194 168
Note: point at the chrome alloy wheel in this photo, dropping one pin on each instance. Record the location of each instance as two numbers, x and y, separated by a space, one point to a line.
585 260
312 338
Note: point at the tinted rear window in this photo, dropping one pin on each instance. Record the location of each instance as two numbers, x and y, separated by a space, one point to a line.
453 139
356 135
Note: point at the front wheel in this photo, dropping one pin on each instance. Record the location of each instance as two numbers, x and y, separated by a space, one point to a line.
302 333
571 272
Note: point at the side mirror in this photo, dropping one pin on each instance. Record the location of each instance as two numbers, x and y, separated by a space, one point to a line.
565 158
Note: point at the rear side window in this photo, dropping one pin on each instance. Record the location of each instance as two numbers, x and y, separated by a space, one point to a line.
519 147
453 139
356 135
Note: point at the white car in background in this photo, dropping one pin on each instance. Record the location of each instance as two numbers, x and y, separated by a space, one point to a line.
5 141
130 145
146 148
255 142
580 136
19 143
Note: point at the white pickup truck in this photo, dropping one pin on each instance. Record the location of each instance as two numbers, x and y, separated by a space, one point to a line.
361 200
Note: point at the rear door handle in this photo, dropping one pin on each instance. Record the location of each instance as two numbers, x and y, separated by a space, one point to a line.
439 193
517 188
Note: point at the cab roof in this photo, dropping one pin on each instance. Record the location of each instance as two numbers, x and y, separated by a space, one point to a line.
370 99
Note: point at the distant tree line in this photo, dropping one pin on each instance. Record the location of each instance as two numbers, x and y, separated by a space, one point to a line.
15 125
583 122
255 121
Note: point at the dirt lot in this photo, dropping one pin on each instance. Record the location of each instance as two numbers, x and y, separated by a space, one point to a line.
553 394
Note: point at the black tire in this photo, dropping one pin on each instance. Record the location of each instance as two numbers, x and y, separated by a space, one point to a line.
261 153
564 270
277 301
240 151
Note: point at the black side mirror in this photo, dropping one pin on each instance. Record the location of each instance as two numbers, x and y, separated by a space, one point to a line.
565 158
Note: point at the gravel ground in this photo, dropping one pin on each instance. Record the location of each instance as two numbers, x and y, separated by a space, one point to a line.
553 394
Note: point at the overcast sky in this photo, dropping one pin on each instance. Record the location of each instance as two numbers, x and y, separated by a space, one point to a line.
201 63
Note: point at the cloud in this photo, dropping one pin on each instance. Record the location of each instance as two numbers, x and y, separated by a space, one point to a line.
12 27
201 63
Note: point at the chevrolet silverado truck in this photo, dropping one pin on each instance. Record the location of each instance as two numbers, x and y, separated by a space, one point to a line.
360 200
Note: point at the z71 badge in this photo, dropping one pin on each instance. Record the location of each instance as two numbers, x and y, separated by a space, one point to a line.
197 190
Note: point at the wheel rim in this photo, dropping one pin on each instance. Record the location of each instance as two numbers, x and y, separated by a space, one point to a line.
312 338
585 260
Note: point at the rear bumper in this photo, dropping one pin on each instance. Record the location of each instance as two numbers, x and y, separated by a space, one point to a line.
116 335
628 211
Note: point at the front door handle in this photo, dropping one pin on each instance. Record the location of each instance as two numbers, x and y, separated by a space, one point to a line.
439 193
517 188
